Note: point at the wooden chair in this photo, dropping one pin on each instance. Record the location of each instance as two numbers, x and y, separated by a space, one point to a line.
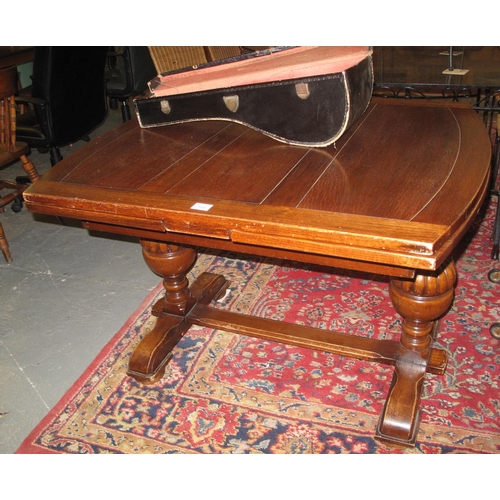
10 150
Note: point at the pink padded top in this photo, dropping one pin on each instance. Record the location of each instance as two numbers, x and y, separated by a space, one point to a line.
289 64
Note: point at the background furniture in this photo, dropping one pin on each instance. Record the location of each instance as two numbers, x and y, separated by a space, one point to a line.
495 189
418 71
494 277
68 97
129 71
22 58
10 149
494 274
170 58
14 56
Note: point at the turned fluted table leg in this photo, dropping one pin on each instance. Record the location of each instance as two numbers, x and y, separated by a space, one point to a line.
421 302
172 262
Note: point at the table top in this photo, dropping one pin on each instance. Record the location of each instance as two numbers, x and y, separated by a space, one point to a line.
424 66
399 188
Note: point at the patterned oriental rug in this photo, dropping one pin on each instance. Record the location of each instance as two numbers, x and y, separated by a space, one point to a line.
226 393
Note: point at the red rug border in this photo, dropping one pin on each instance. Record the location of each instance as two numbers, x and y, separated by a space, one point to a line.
27 446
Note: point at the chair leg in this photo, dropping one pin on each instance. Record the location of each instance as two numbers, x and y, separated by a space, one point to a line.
55 156
31 177
30 169
4 246
125 112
